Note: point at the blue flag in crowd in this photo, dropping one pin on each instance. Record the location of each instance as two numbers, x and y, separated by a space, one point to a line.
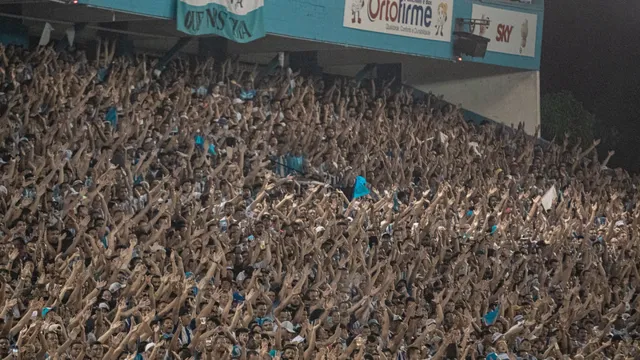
295 163
247 95
199 141
360 189
495 356
45 311
491 317
112 116
396 202
212 149
102 75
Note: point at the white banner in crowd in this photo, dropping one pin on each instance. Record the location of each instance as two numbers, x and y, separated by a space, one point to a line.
549 197
45 37
238 20
424 19
509 32
71 35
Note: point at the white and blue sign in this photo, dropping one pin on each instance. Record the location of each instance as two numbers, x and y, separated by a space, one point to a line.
238 20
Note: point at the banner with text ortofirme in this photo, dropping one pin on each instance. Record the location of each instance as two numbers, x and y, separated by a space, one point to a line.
238 20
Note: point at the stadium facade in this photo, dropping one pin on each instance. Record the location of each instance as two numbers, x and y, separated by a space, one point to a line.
414 40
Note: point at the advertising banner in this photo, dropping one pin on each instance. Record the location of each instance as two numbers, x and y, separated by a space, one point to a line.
238 20
509 32
424 19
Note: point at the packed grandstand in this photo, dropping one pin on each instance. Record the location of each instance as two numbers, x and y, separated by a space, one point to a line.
214 211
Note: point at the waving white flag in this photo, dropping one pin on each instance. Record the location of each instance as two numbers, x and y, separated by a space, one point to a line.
548 197
46 34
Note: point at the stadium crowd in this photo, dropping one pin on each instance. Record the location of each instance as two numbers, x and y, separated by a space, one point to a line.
149 215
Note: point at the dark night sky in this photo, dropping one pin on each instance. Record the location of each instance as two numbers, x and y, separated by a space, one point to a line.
592 48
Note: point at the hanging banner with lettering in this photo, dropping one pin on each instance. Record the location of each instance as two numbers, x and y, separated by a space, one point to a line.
509 32
424 19
238 20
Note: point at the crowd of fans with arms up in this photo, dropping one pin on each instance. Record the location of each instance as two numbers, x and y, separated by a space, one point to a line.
148 214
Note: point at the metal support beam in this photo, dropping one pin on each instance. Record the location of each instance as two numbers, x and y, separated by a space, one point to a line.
21 2
172 52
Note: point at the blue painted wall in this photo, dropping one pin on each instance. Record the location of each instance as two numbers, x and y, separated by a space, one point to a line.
12 31
165 9
321 20
537 5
